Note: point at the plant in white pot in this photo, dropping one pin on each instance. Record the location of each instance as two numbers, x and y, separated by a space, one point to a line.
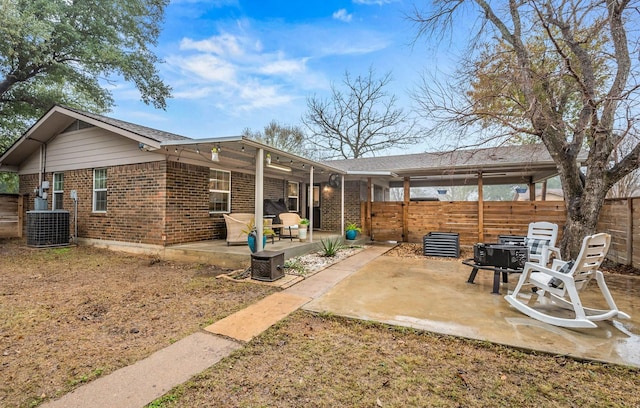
302 228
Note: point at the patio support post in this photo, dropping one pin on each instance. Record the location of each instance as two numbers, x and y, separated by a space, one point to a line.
369 215
543 192
310 203
480 209
532 190
342 205
405 209
259 199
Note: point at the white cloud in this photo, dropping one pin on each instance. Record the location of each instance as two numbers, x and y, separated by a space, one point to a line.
207 67
342 15
238 72
257 96
224 44
197 92
283 66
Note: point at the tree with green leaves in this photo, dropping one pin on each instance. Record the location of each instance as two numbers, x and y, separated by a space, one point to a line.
360 120
61 52
284 137
558 72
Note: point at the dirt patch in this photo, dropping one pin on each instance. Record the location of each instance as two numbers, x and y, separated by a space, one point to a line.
69 315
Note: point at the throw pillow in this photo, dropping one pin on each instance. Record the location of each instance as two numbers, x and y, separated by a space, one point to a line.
535 245
566 268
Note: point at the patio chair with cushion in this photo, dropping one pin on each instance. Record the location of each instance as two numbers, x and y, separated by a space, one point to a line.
541 241
237 224
289 223
562 283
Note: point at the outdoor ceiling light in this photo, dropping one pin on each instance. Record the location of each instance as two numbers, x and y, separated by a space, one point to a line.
214 154
279 167
268 159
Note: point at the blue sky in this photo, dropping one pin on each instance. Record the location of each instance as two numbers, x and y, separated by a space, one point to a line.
235 64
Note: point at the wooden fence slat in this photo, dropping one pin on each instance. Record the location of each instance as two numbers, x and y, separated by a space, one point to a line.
505 217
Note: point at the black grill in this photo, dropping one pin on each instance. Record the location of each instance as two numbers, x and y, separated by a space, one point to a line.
501 256
271 209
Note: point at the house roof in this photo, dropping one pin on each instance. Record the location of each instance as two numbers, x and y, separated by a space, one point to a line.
153 134
236 151
498 165
58 118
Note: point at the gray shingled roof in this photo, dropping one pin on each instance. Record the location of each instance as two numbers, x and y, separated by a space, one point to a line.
154 134
473 158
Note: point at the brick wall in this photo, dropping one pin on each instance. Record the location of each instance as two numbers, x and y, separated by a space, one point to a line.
135 202
330 205
243 192
187 207
274 188
161 203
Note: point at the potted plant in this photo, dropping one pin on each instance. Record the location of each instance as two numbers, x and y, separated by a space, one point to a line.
302 228
252 233
352 230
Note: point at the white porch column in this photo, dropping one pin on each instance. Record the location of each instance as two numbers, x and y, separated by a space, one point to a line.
259 199
310 203
342 205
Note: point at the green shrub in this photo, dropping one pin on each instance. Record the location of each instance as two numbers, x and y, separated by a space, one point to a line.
330 247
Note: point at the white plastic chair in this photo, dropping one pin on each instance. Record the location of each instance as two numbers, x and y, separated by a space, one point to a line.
563 281
541 241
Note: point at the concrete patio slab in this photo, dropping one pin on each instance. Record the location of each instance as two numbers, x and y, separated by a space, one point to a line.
433 295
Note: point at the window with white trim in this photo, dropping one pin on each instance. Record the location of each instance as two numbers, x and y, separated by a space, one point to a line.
58 191
293 196
219 191
99 190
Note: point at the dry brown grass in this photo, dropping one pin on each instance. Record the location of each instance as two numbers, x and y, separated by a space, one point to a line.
69 315
327 361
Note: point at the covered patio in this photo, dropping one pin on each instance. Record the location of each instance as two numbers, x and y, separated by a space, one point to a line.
217 252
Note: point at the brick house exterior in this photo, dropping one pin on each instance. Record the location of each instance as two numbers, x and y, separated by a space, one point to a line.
156 194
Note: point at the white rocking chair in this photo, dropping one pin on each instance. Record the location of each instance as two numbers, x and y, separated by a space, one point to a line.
541 241
563 281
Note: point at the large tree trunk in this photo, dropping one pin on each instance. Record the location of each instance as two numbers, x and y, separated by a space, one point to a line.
584 197
582 219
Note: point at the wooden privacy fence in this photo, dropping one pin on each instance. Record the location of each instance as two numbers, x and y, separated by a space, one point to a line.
11 213
397 221
620 217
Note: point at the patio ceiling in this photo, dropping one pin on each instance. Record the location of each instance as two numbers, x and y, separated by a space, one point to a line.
239 152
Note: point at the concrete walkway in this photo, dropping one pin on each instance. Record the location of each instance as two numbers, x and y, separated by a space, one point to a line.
141 383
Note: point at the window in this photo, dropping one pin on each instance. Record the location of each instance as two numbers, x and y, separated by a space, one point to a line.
219 191
100 190
58 191
292 196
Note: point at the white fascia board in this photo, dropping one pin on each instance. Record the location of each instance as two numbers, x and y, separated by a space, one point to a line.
371 173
